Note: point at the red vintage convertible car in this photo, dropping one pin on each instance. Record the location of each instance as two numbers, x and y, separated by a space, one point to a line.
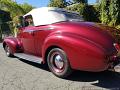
62 40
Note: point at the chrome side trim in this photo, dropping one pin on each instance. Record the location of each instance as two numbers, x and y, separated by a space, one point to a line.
28 31
38 30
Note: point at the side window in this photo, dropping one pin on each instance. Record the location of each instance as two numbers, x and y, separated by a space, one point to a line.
29 21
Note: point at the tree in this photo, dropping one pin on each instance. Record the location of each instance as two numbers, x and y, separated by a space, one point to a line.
79 7
57 3
97 1
11 6
15 10
110 12
104 14
0 29
88 12
114 13
80 1
26 7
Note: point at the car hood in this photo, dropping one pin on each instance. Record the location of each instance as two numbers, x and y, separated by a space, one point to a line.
94 32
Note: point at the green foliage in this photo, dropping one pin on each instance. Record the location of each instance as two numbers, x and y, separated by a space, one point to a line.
89 12
118 27
97 11
57 3
104 14
110 12
4 16
15 10
114 12
80 1
26 7
77 8
13 7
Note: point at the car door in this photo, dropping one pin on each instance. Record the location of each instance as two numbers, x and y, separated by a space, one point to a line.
40 36
28 37
28 40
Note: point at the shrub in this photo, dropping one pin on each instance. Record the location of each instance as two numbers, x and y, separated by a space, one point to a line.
110 12
118 27
89 12
57 3
76 7
104 11
114 11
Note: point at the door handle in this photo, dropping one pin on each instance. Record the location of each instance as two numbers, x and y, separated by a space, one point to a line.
31 32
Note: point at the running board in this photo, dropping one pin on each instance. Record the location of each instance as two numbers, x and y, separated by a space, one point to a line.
28 57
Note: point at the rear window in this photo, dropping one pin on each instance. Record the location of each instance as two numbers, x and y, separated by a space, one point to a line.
70 15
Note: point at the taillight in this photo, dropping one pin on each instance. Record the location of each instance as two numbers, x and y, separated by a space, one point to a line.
116 46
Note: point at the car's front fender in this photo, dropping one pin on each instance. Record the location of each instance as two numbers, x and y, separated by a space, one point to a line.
12 42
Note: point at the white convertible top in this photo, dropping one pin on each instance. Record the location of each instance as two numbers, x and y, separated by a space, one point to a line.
46 15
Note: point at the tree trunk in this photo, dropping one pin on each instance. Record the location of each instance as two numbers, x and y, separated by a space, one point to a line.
0 33
0 30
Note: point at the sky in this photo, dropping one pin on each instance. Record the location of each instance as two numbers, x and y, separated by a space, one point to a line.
42 3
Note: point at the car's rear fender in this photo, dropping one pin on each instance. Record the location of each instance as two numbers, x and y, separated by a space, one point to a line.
77 48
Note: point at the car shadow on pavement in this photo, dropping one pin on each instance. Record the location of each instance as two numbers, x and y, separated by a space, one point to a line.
41 66
106 79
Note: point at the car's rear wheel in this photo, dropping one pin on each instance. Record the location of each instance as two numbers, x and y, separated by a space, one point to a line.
8 51
58 63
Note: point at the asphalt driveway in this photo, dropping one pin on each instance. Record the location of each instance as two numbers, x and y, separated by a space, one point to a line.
16 74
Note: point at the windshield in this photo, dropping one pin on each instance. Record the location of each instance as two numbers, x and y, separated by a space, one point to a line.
70 15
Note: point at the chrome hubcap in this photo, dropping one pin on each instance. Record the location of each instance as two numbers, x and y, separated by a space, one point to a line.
59 62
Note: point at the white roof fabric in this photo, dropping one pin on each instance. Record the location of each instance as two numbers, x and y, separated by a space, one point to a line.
46 15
